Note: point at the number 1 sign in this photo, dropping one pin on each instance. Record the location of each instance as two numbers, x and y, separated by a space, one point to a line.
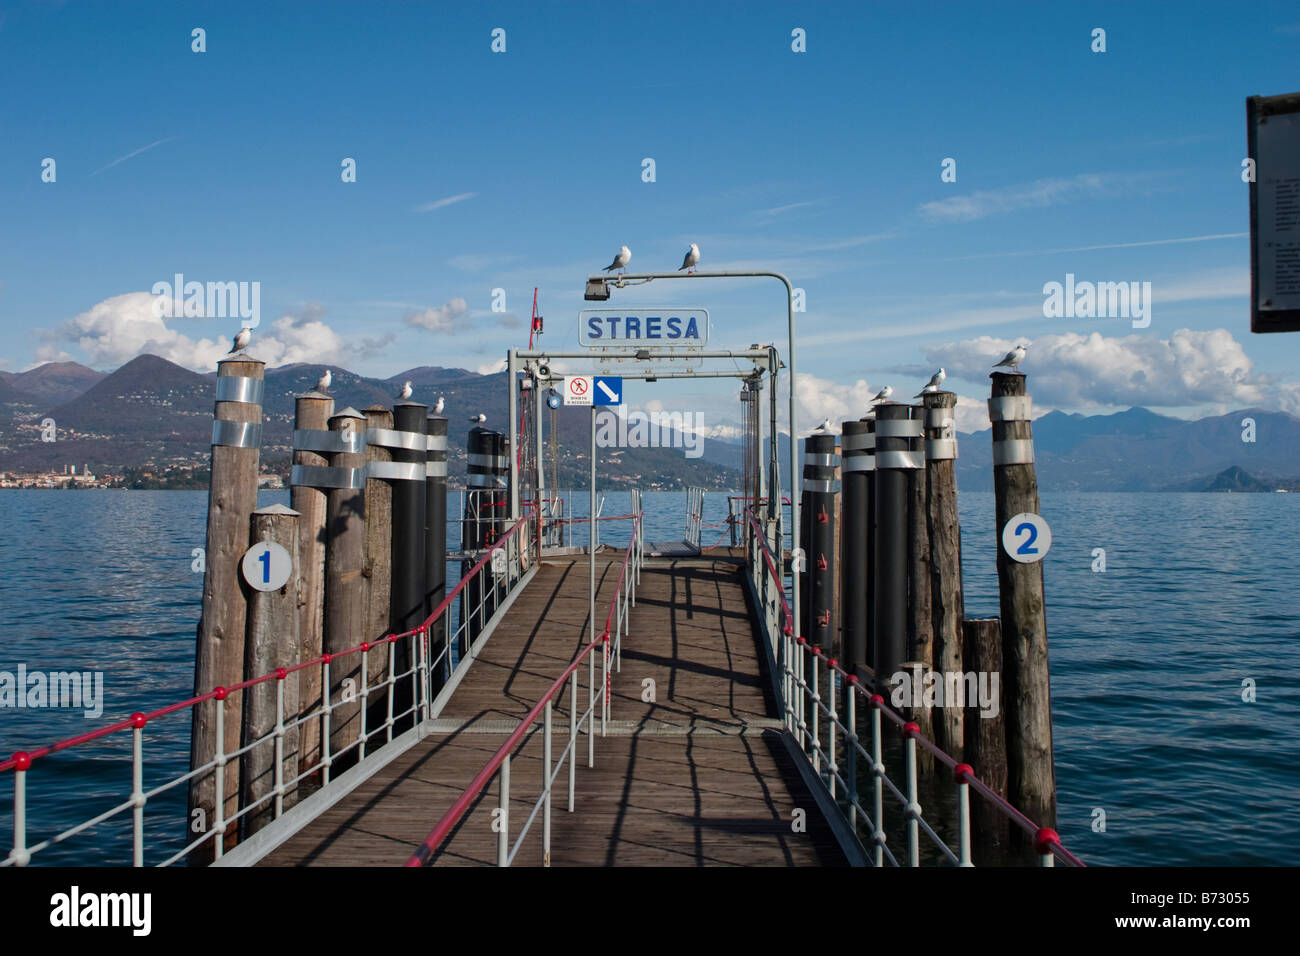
1026 538
266 566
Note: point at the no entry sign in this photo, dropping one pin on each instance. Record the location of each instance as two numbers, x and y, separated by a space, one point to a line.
577 389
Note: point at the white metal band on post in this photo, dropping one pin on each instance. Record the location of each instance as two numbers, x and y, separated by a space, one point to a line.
307 439
938 418
813 484
236 434
859 442
824 460
240 388
396 470
435 469
1009 408
899 459
435 443
899 428
854 463
327 476
1013 451
389 438
489 461
940 449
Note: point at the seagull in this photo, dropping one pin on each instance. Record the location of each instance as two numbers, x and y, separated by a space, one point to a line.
323 383
478 419
620 260
883 394
933 386
241 340
1013 358
437 409
406 391
825 426
692 258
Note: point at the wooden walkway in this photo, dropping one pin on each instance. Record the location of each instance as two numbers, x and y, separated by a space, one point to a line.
698 776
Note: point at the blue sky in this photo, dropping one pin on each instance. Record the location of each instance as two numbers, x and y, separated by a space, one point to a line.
823 164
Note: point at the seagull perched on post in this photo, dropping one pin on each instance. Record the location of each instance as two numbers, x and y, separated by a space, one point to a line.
1013 358
692 258
933 385
437 409
620 260
478 419
406 391
825 426
241 340
883 394
323 382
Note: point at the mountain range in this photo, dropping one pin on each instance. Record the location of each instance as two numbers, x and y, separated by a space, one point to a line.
153 412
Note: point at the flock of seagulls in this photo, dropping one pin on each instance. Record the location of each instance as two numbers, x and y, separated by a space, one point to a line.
624 256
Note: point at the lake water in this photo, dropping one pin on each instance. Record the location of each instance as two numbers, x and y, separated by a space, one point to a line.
1148 659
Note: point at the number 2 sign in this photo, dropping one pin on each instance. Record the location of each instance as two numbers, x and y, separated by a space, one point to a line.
1026 538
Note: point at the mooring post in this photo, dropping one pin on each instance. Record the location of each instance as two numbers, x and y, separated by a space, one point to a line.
312 412
854 566
897 437
920 632
1031 782
985 727
410 516
435 544
819 493
476 528
944 533
377 578
345 562
219 654
271 645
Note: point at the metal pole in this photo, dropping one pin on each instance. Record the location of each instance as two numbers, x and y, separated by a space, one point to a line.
512 387
503 834
546 784
591 539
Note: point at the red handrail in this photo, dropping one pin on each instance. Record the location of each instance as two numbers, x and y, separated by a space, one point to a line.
22 760
457 810
1045 839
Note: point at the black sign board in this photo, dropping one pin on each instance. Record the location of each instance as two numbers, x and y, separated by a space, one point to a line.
1273 144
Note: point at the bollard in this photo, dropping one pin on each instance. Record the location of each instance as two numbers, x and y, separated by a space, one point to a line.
435 544
986 733
271 645
345 559
312 412
946 611
377 579
1031 781
219 654
857 464
897 437
410 451
819 497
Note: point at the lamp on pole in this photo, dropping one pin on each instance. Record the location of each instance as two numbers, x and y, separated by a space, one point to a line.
598 290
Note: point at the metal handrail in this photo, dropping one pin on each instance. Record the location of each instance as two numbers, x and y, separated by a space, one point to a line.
419 674
616 623
799 689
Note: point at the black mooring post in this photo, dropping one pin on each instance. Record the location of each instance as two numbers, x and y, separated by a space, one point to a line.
435 544
476 529
895 457
409 519
853 544
869 651
819 487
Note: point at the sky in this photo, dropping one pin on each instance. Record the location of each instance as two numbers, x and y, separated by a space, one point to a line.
479 170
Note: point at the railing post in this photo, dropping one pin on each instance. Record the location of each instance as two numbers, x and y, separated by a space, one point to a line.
279 745
813 656
851 748
219 824
326 698
365 700
503 822
910 730
878 771
392 688
573 733
604 683
591 705
546 788
834 718
21 764
961 772
137 790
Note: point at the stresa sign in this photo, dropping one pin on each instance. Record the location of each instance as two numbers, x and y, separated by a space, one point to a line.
663 327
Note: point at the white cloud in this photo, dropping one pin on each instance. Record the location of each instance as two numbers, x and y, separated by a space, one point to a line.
445 201
1037 194
1189 368
118 329
451 316
491 368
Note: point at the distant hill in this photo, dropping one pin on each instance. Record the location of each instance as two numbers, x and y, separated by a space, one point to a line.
57 381
1237 479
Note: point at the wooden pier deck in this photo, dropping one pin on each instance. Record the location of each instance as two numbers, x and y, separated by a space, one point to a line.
699 776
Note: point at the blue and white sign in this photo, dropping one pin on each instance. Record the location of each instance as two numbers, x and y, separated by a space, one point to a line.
608 390
266 566
673 327
1026 538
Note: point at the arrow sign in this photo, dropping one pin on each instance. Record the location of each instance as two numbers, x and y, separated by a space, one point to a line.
609 390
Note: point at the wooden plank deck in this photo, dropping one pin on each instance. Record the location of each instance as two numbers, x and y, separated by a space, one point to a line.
698 776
